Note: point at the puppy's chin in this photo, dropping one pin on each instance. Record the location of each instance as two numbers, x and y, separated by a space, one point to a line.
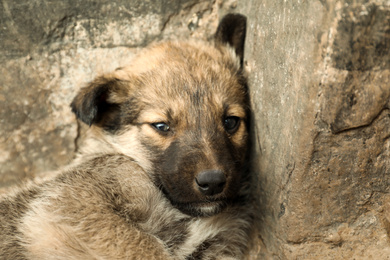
197 208
201 209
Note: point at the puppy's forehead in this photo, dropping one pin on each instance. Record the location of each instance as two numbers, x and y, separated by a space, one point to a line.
188 54
194 97
189 73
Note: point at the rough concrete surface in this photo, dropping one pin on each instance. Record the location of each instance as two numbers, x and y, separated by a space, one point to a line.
320 91
319 78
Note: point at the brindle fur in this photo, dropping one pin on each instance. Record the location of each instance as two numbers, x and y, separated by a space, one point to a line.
131 193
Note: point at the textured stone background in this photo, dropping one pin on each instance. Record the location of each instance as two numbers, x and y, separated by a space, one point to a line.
320 91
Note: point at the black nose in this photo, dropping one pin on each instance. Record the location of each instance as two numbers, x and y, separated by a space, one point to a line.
211 182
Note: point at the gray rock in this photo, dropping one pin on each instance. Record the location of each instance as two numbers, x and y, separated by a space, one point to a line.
320 91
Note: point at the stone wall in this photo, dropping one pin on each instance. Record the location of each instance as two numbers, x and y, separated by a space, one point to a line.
320 91
319 75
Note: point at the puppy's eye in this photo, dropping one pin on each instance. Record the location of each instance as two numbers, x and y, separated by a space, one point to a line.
231 124
162 127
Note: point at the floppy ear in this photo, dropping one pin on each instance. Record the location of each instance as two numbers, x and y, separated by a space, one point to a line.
99 100
231 30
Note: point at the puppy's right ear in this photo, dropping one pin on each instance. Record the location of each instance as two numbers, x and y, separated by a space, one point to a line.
99 99
231 31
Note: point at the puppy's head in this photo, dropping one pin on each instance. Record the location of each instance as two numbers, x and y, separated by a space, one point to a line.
180 110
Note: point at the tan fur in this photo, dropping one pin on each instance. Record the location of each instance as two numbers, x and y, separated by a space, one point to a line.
133 191
72 218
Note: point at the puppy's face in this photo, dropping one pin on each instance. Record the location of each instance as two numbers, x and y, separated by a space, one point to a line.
180 110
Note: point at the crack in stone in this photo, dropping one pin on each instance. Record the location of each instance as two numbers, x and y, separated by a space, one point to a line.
335 132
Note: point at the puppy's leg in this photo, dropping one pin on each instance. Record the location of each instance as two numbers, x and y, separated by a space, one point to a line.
103 235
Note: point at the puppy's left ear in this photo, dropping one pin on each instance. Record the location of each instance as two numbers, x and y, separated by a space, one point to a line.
232 30
99 101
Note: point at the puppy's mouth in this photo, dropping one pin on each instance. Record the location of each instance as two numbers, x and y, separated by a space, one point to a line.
201 209
198 206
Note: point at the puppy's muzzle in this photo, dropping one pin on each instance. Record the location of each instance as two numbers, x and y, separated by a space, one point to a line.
211 182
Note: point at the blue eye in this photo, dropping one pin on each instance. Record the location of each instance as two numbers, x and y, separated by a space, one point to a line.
231 124
162 127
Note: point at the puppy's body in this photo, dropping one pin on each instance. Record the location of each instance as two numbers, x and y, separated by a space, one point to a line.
161 176
95 211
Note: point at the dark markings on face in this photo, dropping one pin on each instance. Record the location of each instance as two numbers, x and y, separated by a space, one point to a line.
177 166
118 116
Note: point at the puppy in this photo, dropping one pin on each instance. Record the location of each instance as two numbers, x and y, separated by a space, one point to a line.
162 174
